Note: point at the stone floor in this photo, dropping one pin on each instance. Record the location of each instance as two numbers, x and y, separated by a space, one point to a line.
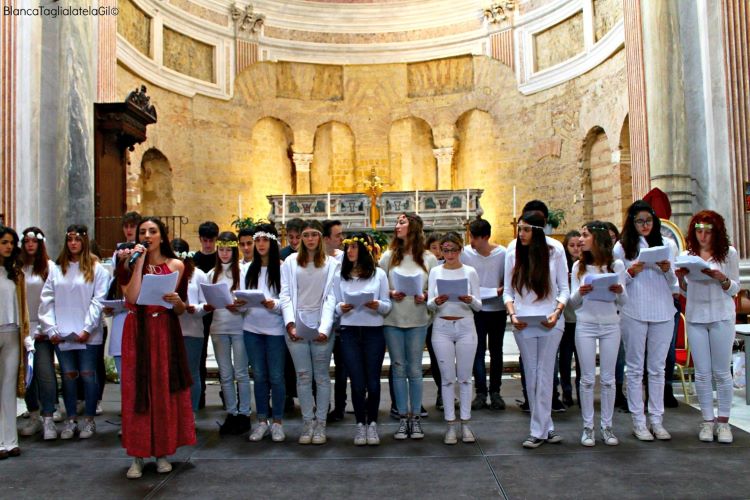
495 466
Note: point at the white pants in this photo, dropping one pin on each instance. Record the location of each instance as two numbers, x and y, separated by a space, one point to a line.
711 346
455 345
539 355
609 344
8 378
641 337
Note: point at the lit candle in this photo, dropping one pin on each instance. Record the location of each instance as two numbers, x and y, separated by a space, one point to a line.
514 201
468 200
283 208
239 206
329 206
416 201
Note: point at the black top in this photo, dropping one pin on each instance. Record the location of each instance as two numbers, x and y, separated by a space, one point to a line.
286 252
204 262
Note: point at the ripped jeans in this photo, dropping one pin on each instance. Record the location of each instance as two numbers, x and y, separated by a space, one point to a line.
405 348
79 363
311 362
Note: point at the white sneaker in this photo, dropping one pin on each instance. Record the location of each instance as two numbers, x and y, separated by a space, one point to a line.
450 435
69 430
660 432
467 436
50 429
136 469
87 429
706 432
372 434
360 438
724 432
260 431
587 437
57 415
33 426
642 433
277 432
163 466
99 410
319 434
307 432
609 437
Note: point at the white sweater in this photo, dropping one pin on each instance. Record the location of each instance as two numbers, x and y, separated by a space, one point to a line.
377 284
70 295
707 301
491 271
451 308
596 311
259 319
526 303
225 322
650 292
192 324
407 313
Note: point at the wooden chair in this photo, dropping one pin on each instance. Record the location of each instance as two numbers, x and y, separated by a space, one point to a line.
683 359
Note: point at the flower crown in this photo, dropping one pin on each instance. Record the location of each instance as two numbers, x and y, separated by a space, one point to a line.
263 234
185 255
703 225
357 239
36 236
597 228
227 244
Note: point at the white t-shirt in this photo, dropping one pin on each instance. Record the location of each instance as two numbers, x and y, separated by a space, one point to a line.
491 271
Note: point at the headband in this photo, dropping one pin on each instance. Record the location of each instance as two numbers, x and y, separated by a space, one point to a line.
357 239
36 236
227 244
263 234
597 228
311 229
75 234
532 226
185 255
703 225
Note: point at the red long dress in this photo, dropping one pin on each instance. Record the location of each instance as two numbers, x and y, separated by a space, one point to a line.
169 422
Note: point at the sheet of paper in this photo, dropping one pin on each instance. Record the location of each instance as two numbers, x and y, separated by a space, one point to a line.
156 286
307 326
408 284
358 299
254 298
533 320
29 368
70 342
654 254
217 295
601 284
117 306
695 265
453 288
487 293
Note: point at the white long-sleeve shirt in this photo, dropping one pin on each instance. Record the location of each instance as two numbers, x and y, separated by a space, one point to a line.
491 271
407 313
71 295
451 308
596 311
192 324
225 322
650 292
526 302
34 285
377 284
259 319
9 311
707 301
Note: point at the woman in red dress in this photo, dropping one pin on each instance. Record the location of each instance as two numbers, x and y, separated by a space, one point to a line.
157 416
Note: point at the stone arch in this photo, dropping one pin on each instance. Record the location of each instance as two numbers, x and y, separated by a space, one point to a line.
475 137
601 189
624 170
271 161
157 197
412 164
333 162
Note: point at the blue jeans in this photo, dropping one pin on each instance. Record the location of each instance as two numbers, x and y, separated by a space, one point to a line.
405 347
193 350
311 362
363 350
43 388
79 364
231 357
267 355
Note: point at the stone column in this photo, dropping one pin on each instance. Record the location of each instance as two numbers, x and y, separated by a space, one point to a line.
444 158
665 105
302 163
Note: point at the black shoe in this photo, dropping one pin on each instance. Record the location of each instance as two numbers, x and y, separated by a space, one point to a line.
480 402
524 405
241 425
496 402
229 425
394 413
558 406
568 399
439 403
335 415
669 400
423 413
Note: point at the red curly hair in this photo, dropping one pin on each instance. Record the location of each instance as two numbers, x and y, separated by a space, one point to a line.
719 237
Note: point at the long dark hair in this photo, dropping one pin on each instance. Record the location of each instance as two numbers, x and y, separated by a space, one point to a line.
414 240
630 236
273 270
234 264
365 262
12 264
181 246
39 262
164 247
532 261
601 251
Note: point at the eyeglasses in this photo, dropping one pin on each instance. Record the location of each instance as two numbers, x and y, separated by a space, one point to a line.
644 222
450 250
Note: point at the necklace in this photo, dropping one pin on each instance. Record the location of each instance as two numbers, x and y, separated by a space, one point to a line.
152 269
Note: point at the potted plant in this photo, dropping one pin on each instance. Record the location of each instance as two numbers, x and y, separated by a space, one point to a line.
556 219
247 222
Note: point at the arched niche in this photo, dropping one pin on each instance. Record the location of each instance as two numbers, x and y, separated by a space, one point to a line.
412 164
271 168
473 151
332 168
624 171
601 189
157 196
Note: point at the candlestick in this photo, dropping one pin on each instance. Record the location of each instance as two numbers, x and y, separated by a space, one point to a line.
514 203
328 198
416 201
468 200
283 208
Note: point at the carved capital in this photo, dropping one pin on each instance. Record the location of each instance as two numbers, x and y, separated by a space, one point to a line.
246 20
496 13
302 161
443 154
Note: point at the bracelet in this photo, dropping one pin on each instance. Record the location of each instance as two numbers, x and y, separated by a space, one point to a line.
726 281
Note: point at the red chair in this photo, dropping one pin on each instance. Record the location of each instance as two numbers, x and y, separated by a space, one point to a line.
683 359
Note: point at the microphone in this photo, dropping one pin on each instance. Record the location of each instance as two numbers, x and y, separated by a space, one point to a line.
135 255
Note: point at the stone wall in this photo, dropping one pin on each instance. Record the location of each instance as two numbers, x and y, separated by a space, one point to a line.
188 56
559 43
135 26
